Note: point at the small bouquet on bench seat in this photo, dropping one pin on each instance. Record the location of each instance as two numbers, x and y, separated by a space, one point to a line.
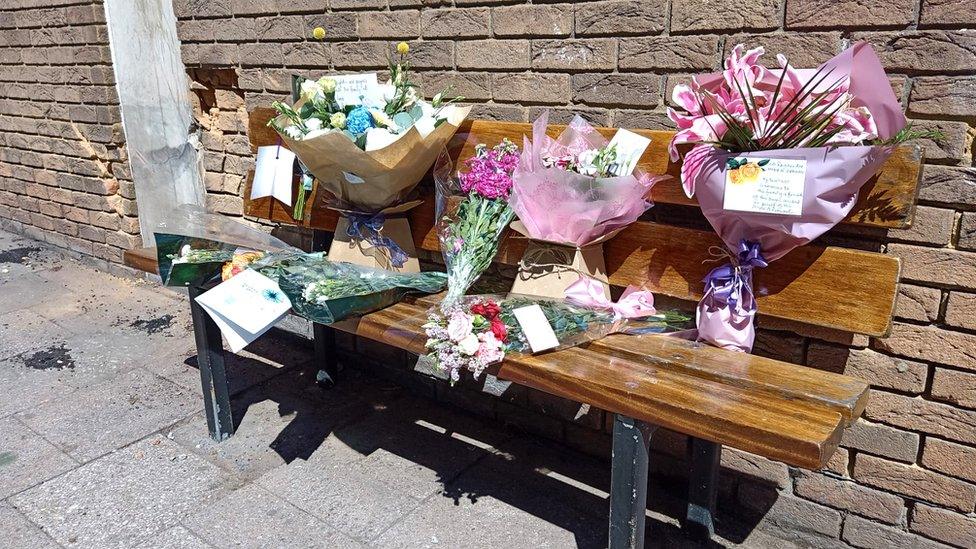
571 194
778 157
369 145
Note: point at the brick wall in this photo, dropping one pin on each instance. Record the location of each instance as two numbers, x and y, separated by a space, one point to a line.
905 475
63 175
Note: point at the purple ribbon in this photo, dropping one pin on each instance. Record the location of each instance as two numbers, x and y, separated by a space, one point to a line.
367 227
731 284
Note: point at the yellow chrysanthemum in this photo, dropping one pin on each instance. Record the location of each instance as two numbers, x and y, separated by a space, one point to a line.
318 33
403 48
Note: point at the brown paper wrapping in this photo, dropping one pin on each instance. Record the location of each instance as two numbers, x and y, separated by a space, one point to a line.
548 268
370 181
361 252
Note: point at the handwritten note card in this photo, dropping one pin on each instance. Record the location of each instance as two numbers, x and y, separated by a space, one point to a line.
244 307
765 185
356 89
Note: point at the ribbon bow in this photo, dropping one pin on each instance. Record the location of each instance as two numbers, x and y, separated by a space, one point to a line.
731 284
588 292
367 227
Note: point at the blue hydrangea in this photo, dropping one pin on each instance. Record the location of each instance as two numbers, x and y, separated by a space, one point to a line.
359 120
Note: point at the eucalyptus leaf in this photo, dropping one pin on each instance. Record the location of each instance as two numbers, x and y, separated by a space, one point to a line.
403 120
416 112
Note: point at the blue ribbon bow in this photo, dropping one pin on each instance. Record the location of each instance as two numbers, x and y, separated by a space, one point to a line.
731 284
367 227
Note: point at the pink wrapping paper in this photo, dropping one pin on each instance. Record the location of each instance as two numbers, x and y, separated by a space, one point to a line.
834 176
561 206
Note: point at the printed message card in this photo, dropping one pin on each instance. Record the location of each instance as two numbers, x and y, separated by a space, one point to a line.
356 89
765 185
273 173
536 328
630 147
244 307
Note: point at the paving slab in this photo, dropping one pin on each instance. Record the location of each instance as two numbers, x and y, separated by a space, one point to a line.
29 381
125 497
29 289
349 500
16 531
27 459
96 420
176 537
23 331
254 517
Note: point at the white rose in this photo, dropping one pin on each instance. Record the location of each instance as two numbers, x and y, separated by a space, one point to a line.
293 132
459 326
313 124
310 90
469 345
585 162
378 138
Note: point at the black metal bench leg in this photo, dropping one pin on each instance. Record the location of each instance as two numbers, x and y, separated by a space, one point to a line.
213 375
628 482
705 458
325 356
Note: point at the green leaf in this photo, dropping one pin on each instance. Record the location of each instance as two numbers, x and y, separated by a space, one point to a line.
763 162
416 113
296 87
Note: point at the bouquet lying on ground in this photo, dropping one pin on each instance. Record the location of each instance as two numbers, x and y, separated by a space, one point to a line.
778 158
472 212
478 331
372 153
575 189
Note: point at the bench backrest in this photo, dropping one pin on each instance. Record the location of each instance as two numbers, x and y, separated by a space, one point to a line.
837 288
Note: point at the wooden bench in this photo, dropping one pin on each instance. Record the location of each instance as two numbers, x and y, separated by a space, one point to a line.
775 409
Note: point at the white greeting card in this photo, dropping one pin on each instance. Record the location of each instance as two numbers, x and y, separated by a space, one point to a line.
273 173
765 185
356 89
630 147
244 307
536 328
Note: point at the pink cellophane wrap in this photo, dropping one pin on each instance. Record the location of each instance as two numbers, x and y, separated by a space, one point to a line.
834 176
557 205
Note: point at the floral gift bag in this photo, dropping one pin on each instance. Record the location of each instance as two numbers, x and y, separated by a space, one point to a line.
778 158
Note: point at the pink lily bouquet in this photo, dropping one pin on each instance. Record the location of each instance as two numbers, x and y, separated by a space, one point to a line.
777 159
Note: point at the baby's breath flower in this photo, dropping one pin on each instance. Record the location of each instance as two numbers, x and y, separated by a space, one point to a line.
318 33
403 48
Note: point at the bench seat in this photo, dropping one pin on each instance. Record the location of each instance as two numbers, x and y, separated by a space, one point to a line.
782 411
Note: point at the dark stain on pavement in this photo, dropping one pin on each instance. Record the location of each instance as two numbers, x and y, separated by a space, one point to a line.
153 325
18 255
55 357
6 458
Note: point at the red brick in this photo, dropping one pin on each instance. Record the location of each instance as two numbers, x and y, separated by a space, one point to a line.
849 496
807 49
961 310
669 53
532 20
944 525
863 533
531 88
931 344
631 90
950 458
954 387
943 96
454 23
947 185
924 52
922 415
755 466
591 54
882 440
832 14
938 13
915 482
712 15
393 24
918 302
620 17
931 226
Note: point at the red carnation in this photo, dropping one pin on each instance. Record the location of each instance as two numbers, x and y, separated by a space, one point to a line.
491 310
499 329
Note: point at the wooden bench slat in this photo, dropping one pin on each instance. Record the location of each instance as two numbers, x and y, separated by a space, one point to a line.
782 411
800 432
846 395
886 201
